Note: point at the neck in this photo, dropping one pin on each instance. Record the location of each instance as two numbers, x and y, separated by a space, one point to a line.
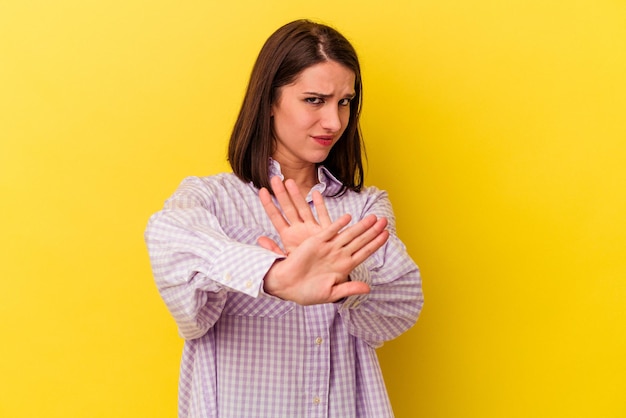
305 176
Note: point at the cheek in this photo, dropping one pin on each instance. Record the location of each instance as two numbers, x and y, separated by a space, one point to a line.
281 121
296 119
286 115
302 120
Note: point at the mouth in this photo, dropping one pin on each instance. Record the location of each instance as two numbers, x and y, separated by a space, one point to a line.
324 140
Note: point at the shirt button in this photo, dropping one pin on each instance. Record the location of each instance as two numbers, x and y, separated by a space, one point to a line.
319 341
227 277
248 284
316 400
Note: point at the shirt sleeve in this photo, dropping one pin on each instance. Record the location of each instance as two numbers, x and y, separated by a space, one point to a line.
396 298
195 264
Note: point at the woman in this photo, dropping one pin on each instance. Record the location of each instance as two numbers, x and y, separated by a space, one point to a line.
285 275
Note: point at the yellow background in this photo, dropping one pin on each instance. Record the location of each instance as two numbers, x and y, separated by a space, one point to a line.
497 127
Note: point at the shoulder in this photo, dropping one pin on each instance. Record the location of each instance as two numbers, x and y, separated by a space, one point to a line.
373 192
369 200
367 196
215 182
203 191
376 201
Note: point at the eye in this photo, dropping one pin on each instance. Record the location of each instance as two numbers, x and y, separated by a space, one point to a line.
345 102
314 100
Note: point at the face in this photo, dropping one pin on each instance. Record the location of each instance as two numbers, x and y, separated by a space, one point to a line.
311 114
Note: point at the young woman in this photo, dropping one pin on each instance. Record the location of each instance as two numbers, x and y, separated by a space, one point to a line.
285 275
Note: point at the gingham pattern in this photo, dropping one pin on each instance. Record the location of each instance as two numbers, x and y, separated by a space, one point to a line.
250 355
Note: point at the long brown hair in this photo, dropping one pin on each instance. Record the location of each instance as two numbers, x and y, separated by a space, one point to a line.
286 53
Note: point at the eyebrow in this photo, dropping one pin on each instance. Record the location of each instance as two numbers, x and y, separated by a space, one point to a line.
326 96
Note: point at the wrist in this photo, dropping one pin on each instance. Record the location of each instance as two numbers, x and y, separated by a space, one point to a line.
271 281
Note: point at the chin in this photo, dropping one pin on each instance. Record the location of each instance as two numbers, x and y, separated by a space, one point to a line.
319 160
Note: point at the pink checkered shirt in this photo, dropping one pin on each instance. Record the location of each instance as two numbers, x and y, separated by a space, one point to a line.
250 355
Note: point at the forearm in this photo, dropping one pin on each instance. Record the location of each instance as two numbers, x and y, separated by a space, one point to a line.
195 265
394 302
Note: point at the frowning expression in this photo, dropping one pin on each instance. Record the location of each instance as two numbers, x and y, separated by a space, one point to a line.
311 114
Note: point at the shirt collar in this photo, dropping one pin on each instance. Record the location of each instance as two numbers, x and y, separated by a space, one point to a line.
327 183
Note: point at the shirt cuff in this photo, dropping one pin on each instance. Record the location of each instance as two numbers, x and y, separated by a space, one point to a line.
242 267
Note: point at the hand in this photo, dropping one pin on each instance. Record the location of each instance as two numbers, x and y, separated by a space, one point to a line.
298 222
317 270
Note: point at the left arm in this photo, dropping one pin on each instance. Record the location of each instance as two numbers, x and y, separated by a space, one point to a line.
395 298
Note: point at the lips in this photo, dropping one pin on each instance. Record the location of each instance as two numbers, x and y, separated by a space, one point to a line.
324 140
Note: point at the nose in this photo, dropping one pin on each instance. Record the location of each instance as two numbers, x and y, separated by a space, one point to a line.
331 118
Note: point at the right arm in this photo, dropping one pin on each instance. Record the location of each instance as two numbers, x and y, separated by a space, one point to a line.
195 263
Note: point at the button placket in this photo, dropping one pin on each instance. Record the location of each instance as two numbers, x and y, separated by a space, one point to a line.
319 320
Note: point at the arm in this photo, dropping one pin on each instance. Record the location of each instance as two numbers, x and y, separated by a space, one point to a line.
319 254
317 270
195 264
395 298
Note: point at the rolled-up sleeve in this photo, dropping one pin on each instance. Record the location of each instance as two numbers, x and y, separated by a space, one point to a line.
195 264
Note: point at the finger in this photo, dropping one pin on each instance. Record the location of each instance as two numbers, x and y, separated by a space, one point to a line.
346 289
320 207
303 208
330 232
349 234
270 244
370 248
272 211
368 235
284 200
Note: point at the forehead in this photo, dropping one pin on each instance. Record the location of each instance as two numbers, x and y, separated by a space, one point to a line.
329 76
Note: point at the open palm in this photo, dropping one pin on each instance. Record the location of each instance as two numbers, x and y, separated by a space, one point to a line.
296 222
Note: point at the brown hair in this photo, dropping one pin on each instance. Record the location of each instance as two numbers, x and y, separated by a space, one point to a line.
287 52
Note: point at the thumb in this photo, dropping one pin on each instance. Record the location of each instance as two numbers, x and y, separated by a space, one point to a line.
343 290
270 244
